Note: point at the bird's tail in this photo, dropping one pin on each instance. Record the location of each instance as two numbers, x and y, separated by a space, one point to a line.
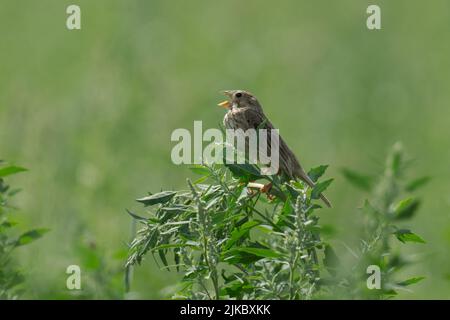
311 183
325 200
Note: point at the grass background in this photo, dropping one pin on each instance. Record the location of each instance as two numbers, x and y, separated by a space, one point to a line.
90 113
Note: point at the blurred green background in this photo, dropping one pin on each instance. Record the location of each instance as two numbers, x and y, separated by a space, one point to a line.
90 114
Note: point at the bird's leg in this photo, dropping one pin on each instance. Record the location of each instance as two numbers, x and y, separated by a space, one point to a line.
263 188
266 188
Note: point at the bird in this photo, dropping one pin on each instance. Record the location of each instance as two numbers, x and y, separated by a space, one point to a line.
245 112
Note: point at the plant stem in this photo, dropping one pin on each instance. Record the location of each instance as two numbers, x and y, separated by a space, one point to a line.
292 277
205 234
129 268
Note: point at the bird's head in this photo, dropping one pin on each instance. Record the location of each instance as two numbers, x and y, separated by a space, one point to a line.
239 99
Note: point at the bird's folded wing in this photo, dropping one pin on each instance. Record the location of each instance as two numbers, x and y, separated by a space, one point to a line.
286 159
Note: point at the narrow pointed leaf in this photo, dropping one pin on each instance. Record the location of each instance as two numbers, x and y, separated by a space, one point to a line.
317 172
405 235
416 184
406 208
201 170
30 236
135 216
161 197
411 281
9 170
358 180
319 188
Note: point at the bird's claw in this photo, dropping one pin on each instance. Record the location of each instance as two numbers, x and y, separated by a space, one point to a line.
266 189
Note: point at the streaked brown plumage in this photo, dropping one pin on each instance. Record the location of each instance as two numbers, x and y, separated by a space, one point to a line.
245 112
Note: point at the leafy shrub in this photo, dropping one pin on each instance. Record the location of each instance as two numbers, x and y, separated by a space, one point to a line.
10 276
392 204
231 242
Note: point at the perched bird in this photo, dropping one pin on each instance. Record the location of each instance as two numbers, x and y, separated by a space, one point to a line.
245 112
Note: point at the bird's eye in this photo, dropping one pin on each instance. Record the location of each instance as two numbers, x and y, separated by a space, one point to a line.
238 95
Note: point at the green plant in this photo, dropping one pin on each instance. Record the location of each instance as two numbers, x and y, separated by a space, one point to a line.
10 276
102 273
232 242
384 216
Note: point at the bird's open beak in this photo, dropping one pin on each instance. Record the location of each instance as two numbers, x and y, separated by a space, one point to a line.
226 104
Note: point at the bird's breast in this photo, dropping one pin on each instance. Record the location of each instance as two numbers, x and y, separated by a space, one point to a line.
233 119
229 120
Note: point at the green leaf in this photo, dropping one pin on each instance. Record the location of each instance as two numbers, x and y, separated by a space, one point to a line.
285 213
201 179
317 172
405 235
235 257
7 224
390 293
292 191
167 213
161 197
135 216
406 208
13 192
395 159
176 245
358 180
327 230
201 170
30 236
236 289
244 170
240 233
260 252
213 192
217 218
89 256
248 255
319 188
162 256
416 184
6 171
410 281
331 260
